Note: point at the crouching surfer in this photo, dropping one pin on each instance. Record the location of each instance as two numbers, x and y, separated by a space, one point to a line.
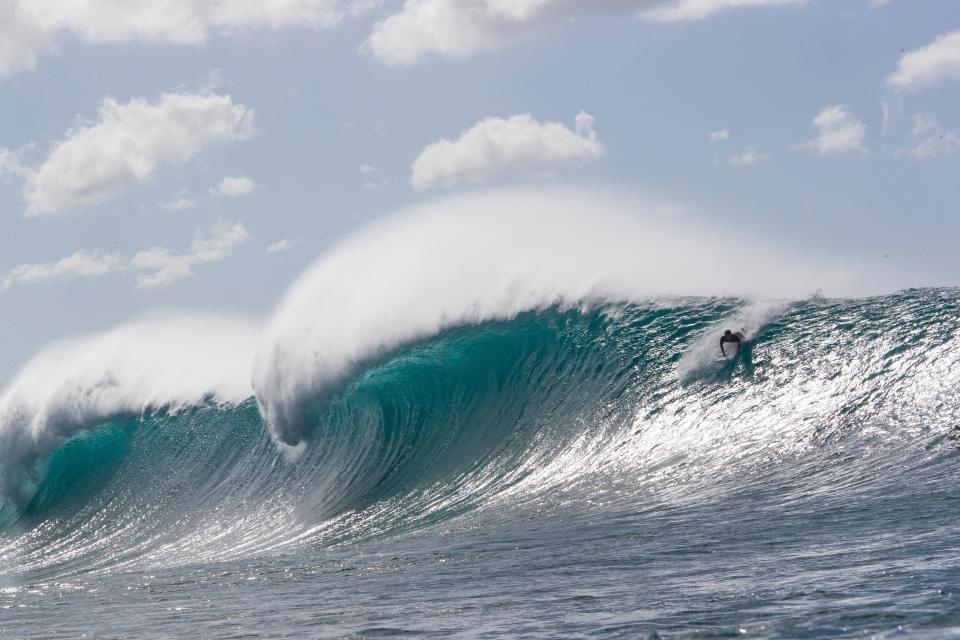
731 337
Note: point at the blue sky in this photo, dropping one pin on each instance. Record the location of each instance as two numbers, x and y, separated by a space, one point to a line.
320 133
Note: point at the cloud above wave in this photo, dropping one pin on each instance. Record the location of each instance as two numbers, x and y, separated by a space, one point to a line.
81 264
155 267
234 186
32 29
838 132
460 28
931 140
161 267
748 157
126 145
930 65
518 146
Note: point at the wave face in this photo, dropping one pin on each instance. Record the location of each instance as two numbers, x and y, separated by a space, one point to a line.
612 408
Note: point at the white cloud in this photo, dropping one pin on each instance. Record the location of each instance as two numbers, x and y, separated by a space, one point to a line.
279 246
679 10
179 203
924 124
516 146
162 267
234 186
157 266
30 29
459 28
720 135
838 132
372 182
930 65
749 157
933 141
11 166
79 265
127 144
22 40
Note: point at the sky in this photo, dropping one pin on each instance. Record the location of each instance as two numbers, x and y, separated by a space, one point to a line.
200 154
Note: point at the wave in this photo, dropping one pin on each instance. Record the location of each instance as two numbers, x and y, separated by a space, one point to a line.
494 255
435 429
163 360
537 366
525 414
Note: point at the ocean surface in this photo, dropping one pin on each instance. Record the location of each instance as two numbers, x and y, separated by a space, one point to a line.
581 471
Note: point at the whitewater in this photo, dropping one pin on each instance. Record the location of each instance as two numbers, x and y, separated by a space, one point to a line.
501 414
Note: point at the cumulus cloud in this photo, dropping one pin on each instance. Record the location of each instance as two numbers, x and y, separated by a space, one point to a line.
279 246
720 135
234 186
748 157
156 267
932 140
371 181
22 40
929 65
30 29
162 267
515 146
459 28
680 10
79 265
126 145
11 166
179 203
838 132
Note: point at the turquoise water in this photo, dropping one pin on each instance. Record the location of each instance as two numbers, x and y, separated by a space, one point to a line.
590 472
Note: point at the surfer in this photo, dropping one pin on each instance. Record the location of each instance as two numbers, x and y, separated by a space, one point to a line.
729 336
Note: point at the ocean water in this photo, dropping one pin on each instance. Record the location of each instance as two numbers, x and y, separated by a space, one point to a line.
582 470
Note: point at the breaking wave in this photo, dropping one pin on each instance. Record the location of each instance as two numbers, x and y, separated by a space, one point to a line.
462 363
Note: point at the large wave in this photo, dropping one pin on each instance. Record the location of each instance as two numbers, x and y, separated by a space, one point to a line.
493 255
451 360
549 407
